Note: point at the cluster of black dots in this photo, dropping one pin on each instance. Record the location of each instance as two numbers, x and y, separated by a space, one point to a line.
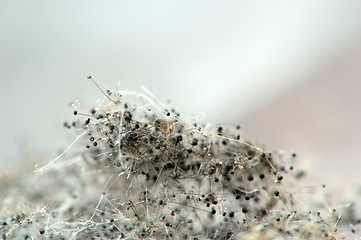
171 177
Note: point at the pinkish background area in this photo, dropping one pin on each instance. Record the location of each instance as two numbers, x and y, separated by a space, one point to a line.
320 119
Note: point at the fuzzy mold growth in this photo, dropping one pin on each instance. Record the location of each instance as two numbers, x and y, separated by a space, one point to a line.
143 170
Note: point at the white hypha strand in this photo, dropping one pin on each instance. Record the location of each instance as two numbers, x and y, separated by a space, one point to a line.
145 171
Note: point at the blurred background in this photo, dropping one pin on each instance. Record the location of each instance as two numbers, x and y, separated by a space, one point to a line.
288 71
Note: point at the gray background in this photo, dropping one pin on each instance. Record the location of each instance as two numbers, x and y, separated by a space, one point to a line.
288 72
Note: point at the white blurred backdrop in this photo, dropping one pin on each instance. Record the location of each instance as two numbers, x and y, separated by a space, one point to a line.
275 67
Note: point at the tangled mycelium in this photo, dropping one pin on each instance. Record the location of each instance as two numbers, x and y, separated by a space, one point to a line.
143 170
